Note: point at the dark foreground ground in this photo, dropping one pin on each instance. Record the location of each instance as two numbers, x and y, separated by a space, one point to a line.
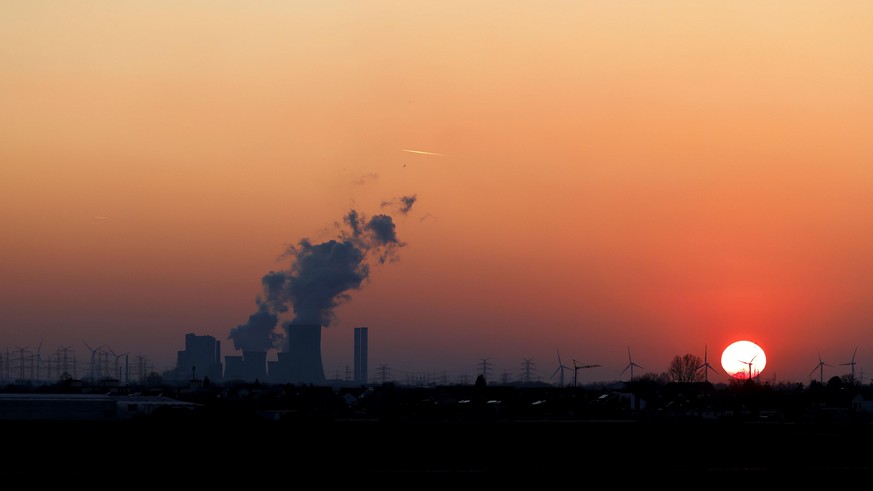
352 454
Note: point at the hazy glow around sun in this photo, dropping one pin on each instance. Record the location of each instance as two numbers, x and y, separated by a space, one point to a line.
743 359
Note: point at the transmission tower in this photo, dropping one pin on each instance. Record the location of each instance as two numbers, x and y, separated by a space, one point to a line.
383 373
141 369
527 370
22 363
35 362
484 368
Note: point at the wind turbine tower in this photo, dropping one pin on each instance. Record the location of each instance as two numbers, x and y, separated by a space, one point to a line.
749 376
630 365
93 369
561 368
706 366
820 368
852 363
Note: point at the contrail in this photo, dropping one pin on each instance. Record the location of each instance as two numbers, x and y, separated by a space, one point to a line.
421 152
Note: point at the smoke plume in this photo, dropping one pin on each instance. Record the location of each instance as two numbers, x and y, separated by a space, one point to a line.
319 278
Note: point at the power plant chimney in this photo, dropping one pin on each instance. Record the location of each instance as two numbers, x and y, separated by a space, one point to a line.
360 371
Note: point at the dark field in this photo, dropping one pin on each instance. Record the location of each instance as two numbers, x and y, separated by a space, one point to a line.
438 453
455 437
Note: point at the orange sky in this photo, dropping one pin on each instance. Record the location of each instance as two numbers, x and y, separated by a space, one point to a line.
660 176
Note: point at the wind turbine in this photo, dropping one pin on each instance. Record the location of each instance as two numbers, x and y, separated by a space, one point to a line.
576 369
117 368
706 366
630 365
93 359
750 366
820 368
561 368
852 377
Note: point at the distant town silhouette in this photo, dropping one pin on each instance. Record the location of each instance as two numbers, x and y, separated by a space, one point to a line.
481 432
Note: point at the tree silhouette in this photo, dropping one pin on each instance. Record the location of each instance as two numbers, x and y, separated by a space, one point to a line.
685 368
480 382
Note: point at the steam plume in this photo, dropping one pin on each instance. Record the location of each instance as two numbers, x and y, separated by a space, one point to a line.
403 203
319 278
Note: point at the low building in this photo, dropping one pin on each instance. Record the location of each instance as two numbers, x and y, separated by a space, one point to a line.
79 407
27 406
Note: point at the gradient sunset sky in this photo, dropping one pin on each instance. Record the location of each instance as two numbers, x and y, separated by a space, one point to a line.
588 177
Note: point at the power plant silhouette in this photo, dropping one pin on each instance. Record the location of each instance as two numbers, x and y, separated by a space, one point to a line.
319 278
300 364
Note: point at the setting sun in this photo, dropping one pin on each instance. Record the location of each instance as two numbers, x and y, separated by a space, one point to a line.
743 360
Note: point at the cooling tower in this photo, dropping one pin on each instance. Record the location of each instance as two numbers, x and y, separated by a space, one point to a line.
255 366
304 354
233 368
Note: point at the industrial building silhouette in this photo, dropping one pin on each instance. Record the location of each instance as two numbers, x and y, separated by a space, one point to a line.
301 363
360 371
201 357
